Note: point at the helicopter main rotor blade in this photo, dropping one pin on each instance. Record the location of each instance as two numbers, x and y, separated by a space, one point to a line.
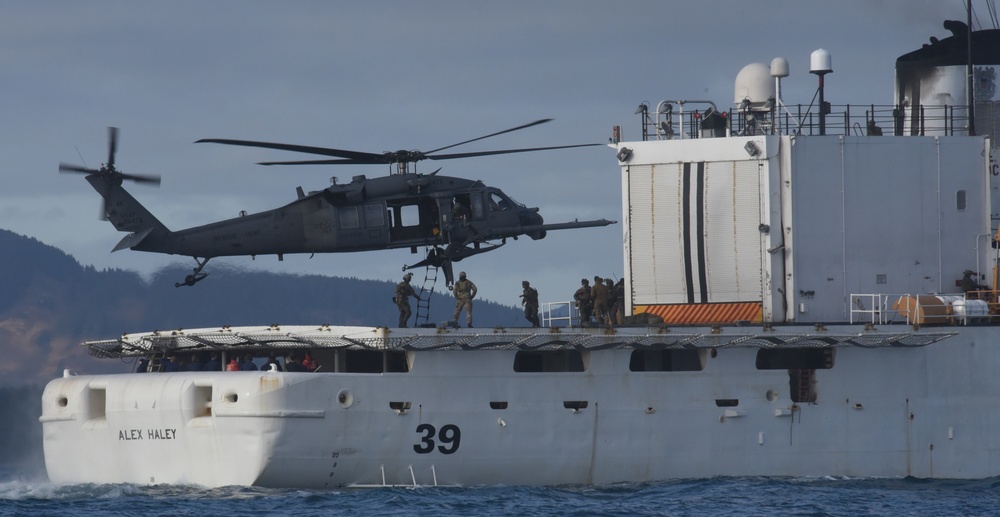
139 178
112 146
351 156
65 167
388 157
380 161
506 151
535 123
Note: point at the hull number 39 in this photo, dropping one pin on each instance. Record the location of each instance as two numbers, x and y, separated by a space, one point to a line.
446 439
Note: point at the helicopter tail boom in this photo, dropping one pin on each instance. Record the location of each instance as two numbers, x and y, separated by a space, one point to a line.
125 212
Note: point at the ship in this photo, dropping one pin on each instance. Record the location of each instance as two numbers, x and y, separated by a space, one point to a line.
811 290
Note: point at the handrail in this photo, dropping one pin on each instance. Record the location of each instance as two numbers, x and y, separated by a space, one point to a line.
666 123
920 309
549 309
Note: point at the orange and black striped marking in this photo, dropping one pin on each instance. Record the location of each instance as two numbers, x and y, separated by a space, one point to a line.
704 313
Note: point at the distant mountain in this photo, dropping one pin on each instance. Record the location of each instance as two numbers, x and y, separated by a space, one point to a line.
49 304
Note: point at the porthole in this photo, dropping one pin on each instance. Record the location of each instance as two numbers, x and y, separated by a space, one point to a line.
231 398
345 399
62 401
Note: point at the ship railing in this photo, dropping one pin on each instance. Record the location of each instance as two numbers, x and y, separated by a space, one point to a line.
559 314
868 308
665 122
991 297
923 309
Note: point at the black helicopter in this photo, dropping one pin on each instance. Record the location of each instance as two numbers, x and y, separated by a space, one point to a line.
454 218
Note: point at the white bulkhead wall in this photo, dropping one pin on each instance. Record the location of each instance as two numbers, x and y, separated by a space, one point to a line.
695 221
806 223
882 215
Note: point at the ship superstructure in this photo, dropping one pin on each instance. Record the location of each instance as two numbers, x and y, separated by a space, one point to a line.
815 292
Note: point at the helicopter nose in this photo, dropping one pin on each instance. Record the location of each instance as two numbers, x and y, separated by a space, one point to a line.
535 219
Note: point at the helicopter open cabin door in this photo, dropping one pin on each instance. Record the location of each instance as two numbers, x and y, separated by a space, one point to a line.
414 221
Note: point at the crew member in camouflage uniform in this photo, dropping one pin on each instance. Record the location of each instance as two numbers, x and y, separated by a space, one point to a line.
584 302
619 308
403 293
529 299
612 301
599 294
970 284
464 292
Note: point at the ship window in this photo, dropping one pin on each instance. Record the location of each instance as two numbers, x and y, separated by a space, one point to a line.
802 385
536 361
374 361
795 358
674 360
349 217
96 403
960 200
498 405
727 402
400 406
200 401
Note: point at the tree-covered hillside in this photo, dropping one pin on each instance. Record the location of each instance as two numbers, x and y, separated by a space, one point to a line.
49 304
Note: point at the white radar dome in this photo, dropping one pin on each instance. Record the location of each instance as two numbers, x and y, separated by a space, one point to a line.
779 67
820 62
754 83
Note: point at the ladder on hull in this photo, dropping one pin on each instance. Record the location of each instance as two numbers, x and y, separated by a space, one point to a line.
412 484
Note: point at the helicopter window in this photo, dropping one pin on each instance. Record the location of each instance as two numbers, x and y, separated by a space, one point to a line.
477 206
409 215
498 202
349 217
374 215
460 207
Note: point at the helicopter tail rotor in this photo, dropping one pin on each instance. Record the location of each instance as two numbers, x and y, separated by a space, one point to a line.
108 172
108 169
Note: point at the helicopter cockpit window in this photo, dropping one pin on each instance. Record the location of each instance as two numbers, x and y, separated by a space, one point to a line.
499 202
349 217
374 215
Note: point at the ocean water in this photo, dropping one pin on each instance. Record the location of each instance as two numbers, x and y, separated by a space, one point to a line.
32 494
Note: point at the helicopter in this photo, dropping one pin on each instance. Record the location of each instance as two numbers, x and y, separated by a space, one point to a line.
452 218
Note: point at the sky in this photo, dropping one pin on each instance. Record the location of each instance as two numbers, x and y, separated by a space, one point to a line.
382 75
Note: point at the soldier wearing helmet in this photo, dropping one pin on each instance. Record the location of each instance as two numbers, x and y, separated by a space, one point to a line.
464 292
584 302
402 298
599 294
529 299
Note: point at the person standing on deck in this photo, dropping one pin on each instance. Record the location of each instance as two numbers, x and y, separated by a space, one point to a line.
599 295
464 291
584 302
529 299
402 298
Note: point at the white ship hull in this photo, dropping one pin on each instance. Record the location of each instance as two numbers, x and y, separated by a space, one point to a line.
926 411
754 223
